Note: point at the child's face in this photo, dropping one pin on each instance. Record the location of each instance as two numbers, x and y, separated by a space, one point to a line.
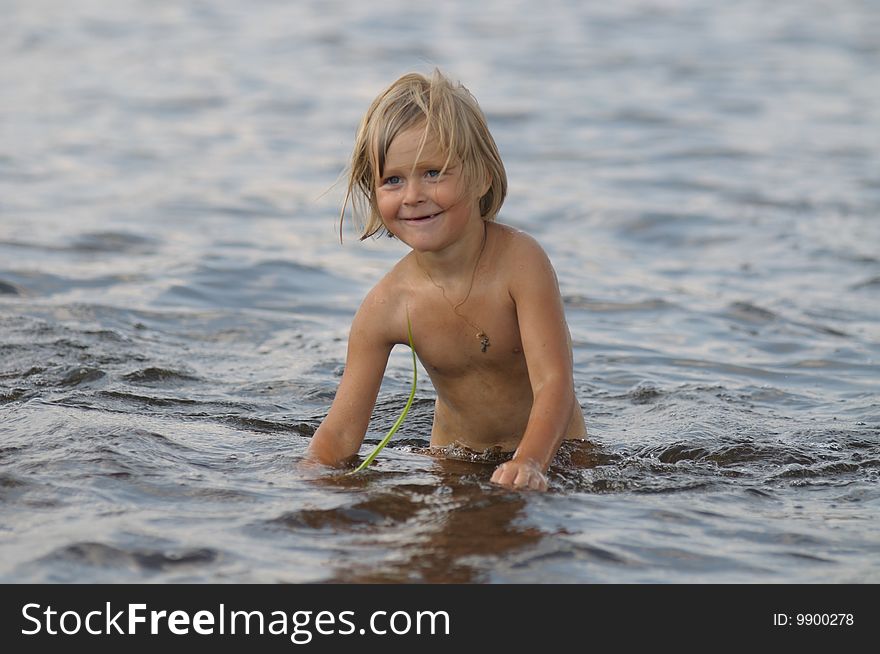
425 209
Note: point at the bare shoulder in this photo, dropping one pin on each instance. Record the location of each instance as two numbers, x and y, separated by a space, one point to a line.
382 314
520 255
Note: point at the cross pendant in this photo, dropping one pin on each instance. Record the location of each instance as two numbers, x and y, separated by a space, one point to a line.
484 341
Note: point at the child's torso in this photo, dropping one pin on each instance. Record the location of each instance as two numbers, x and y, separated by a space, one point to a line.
483 397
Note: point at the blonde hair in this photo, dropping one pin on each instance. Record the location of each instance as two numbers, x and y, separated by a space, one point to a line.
449 112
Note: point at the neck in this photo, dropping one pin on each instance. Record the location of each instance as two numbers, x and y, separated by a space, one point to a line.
457 261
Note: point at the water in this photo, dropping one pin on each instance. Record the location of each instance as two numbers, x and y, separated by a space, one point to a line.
174 301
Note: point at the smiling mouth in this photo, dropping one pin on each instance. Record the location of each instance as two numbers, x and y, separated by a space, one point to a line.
422 218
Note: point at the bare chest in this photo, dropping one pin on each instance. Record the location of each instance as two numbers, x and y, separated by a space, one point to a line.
480 336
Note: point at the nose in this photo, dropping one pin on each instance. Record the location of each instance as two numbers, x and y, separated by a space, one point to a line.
413 193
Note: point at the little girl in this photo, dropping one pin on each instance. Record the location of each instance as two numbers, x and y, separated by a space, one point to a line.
483 300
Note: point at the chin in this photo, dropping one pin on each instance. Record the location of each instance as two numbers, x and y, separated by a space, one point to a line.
420 242
419 245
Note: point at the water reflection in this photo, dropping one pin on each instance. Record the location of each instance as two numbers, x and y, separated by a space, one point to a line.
453 528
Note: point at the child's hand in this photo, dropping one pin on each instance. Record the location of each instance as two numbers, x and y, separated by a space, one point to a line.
520 474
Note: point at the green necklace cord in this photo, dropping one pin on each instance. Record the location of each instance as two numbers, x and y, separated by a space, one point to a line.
412 393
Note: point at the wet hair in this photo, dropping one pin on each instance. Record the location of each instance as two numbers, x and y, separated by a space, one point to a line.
448 112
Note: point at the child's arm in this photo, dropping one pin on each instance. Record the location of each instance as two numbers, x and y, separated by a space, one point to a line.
547 348
369 344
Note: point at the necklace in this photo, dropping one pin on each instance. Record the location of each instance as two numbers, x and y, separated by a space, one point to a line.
482 336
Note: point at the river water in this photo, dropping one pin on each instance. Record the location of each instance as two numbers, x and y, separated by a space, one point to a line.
175 302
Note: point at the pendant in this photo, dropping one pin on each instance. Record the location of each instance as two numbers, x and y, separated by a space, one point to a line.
484 341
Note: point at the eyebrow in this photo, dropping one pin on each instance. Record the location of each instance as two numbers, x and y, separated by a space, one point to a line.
427 165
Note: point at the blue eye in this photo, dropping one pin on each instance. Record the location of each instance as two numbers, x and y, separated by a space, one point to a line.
433 174
394 179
